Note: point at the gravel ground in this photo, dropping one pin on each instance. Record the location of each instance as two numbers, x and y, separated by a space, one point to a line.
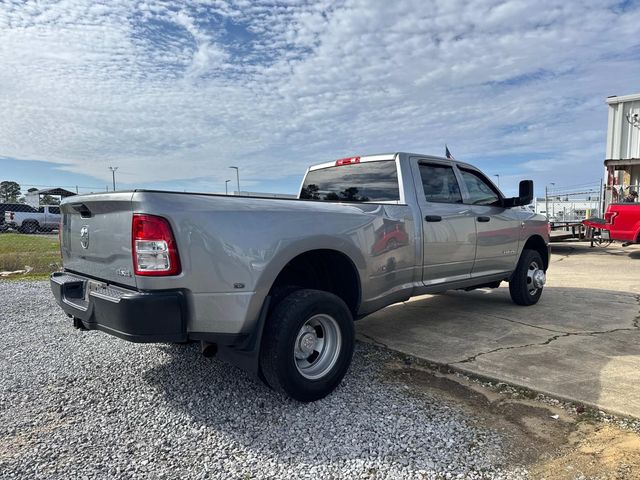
87 405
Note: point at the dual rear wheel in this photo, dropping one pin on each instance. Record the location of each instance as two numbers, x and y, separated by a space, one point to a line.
308 344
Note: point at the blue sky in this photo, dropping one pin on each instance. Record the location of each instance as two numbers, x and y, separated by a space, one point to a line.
175 92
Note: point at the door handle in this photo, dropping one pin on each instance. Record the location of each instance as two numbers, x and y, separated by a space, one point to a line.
433 218
484 219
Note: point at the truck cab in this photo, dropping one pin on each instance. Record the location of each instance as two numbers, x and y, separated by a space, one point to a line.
469 229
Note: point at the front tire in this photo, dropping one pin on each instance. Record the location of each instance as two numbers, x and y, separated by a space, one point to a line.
528 279
307 344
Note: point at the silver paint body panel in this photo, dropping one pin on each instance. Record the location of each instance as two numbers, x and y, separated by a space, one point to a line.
229 240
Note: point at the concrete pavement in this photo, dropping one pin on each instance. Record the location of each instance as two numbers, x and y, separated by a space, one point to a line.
581 342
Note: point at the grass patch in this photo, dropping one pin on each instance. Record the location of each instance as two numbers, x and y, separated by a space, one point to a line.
28 276
40 252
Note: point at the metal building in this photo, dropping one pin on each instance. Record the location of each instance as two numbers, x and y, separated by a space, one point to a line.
33 198
622 160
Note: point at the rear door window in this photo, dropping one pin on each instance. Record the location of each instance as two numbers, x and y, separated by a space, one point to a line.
357 182
439 183
54 210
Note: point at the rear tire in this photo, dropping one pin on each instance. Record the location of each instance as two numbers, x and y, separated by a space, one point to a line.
524 286
307 344
29 227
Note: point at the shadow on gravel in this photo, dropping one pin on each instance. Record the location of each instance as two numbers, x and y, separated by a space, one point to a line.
365 418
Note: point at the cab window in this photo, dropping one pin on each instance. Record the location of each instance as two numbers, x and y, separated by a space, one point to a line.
358 182
481 192
439 184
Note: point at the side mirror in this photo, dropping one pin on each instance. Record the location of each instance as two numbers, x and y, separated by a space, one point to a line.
525 196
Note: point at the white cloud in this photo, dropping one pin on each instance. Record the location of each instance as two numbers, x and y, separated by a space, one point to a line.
176 90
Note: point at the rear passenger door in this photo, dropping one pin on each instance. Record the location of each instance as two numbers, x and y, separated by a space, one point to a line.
448 226
498 228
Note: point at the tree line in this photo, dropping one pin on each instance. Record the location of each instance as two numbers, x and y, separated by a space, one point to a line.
10 193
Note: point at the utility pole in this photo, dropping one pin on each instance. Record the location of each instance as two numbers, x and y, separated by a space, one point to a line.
226 187
237 169
601 201
497 175
546 199
113 174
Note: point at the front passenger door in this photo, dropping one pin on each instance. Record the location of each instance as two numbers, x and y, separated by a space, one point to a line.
498 228
448 226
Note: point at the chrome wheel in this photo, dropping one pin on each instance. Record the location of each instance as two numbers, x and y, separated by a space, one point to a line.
317 346
536 278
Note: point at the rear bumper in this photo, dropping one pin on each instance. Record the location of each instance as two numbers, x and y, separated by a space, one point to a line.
144 317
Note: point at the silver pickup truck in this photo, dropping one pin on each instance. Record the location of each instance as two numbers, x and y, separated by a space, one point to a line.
45 219
274 285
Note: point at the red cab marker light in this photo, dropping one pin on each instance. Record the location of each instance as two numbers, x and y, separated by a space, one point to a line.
347 161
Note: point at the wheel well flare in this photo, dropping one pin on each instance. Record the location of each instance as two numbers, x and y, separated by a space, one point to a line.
537 243
327 270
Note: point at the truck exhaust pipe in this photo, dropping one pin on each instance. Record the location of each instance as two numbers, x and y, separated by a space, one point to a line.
77 323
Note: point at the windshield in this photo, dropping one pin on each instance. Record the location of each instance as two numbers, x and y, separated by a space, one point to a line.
357 182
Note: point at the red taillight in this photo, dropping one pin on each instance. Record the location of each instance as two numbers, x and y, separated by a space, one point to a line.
610 216
347 161
153 246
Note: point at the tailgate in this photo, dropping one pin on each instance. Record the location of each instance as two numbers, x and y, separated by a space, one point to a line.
96 236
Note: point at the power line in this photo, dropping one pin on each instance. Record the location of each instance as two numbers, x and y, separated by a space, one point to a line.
569 194
58 186
577 185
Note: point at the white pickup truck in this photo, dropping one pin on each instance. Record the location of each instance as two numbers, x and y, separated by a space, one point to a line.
45 219
273 285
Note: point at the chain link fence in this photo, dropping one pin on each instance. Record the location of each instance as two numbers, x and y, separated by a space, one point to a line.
29 243
572 203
